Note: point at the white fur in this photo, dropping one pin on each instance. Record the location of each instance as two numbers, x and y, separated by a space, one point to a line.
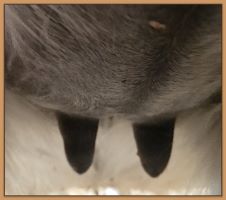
35 162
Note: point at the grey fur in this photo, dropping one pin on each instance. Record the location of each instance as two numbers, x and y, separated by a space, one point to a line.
104 60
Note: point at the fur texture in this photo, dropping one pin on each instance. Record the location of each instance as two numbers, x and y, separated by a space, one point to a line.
143 64
104 60
35 162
